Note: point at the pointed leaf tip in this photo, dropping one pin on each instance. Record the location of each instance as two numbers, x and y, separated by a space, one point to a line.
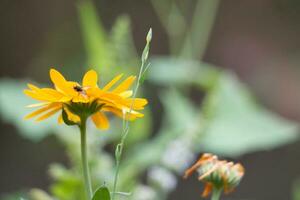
102 193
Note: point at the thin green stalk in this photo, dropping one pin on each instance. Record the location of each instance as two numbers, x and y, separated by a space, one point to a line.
120 146
202 23
173 21
85 168
216 194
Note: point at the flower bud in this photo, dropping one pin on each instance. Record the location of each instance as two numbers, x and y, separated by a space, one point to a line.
217 174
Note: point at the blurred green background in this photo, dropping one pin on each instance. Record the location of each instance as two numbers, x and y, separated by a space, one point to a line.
224 78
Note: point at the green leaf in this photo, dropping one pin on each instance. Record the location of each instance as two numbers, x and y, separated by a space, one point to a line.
95 38
238 125
14 196
102 193
67 183
296 190
180 113
38 194
181 72
123 46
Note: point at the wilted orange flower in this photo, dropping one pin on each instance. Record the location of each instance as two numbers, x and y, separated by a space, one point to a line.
216 174
77 102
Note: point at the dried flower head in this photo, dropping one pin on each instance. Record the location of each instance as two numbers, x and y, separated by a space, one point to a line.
77 102
217 174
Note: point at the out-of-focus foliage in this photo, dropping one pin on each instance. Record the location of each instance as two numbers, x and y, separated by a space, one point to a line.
13 109
238 125
296 190
36 194
227 120
109 52
178 72
98 48
233 123
15 196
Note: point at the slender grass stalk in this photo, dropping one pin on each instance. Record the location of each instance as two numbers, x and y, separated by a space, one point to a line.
85 168
216 194
173 22
202 23
125 131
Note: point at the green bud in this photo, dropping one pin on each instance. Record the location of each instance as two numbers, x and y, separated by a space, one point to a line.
149 36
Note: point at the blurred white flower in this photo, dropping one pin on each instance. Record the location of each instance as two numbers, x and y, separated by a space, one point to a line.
163 178
143 192
178 156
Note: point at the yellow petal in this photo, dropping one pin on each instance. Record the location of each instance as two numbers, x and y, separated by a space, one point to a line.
37 105
43 109
57 78
53 95
124 115
80 99
60 119
61 84
48 114
45 94
126 94
125 84
51 92
100 120
114 100
207 190
137 103
112 82
32 87
72 117
35 95
90 79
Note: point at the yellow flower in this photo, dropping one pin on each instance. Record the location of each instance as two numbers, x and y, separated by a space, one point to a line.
76 101
217 174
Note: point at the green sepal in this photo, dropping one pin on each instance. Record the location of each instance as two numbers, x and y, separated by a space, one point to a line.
66 119
84 109
102 193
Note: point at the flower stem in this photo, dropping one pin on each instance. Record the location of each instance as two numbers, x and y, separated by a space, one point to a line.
85 168
216 194
198 36
120 146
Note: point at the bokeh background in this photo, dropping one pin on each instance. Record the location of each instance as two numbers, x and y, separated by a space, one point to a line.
256 40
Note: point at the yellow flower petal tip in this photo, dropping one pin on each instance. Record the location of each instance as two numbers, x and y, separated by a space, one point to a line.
90 79
87 99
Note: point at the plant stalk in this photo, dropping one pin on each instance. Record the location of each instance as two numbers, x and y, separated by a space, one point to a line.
85 167
120 146
125 131
199 34
216 194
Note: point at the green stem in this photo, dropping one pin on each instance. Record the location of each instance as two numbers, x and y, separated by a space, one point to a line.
216 194
85 167
202 23
169 13
120 146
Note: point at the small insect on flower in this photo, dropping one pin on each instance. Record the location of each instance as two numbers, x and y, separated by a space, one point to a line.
77 102
78 88
216 174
